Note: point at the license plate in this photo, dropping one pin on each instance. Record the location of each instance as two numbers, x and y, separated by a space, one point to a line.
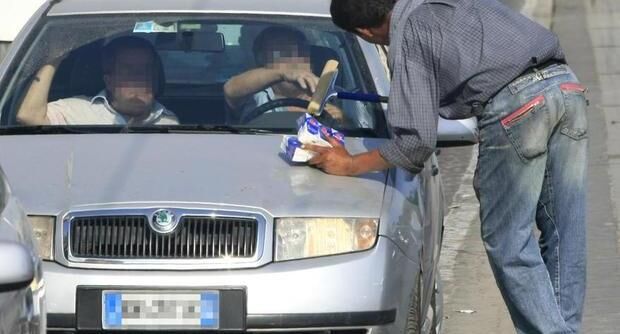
160 310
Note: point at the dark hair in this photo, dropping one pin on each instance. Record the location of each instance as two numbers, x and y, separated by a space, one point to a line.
111 49
352 14
274 32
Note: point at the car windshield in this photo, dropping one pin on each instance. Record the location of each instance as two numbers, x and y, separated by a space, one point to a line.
184 72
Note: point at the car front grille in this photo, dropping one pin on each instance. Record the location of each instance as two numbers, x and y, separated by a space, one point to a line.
131 237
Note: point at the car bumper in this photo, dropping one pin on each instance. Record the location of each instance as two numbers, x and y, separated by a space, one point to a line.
360 290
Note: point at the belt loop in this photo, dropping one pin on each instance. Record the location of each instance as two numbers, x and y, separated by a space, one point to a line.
477 108
540 76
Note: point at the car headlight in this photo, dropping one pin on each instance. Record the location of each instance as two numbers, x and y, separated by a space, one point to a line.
43 232
298 238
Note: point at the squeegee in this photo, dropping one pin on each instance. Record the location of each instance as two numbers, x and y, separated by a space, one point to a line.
326 90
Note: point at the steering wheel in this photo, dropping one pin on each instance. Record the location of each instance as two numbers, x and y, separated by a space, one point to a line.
325 117
273 104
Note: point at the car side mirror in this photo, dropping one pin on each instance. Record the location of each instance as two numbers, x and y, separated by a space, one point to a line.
17 266
452 133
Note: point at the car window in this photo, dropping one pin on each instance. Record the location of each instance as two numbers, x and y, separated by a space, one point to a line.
198 56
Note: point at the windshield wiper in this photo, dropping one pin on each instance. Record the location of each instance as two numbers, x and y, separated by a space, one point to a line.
361 133
109 129
196 128
105 129
57 129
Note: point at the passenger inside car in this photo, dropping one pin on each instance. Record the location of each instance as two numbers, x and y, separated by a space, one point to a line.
285 71
133 80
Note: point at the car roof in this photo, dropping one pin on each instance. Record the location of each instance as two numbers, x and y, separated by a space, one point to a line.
286 7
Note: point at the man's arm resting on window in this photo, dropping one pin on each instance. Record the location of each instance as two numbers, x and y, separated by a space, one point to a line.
33 110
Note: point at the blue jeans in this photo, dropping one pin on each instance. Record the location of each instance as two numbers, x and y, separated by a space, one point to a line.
532 170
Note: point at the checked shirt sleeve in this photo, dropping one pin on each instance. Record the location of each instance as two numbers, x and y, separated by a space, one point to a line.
413 109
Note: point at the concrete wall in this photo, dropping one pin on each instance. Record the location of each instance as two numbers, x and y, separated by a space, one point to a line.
14 14
4 48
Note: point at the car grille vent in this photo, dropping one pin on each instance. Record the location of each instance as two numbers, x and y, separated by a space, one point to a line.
131 237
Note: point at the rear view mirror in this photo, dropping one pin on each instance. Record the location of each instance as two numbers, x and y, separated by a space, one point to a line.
17 266
191 41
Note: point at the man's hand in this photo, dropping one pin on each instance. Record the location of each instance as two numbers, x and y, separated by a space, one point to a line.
332 160
337 161
304 79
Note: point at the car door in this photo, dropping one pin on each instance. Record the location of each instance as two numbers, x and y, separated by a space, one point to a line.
21 286
428 187
433 226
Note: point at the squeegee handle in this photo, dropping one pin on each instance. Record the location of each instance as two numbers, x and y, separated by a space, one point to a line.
363 97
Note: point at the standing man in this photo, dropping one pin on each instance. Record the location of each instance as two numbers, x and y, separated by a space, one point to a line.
464 58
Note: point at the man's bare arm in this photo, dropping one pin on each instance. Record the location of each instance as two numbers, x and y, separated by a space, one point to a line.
241 87
33 110
336 160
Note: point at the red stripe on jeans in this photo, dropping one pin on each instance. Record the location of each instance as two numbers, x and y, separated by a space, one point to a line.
523 110
572 87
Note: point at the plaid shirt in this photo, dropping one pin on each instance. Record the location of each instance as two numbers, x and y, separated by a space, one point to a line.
447 57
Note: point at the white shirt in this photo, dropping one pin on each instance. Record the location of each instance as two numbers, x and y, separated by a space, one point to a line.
82 110
257 100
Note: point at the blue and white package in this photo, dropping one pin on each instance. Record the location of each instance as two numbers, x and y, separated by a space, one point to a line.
311 131
291 147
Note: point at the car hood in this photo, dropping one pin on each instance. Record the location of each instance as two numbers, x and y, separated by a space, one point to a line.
51 174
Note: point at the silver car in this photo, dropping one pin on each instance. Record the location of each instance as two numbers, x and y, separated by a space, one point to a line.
205 225
22 292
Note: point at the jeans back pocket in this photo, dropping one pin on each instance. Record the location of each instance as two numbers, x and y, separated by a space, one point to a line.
528 128
575 121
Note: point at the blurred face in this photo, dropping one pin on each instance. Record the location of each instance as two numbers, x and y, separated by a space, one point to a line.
284 54
131 82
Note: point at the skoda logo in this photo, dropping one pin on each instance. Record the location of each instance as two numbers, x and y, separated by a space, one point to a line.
163 221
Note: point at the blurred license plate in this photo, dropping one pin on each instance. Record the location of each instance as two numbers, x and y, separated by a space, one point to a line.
160 310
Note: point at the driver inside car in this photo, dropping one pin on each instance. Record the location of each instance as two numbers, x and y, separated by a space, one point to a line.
131 75
285 71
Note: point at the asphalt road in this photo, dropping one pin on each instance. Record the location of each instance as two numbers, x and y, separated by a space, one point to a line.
454 161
